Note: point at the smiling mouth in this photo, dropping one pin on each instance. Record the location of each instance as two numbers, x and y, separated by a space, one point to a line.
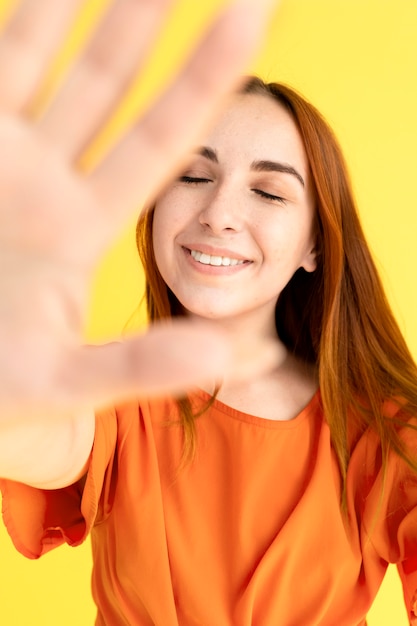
217 261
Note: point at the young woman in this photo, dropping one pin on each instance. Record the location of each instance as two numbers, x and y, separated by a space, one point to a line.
208 508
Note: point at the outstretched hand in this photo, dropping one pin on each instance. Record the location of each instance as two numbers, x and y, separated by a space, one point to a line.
56 221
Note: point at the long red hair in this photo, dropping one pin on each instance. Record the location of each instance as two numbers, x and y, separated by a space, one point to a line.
337 317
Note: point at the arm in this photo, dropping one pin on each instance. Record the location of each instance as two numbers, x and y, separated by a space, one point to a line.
47 453
56 221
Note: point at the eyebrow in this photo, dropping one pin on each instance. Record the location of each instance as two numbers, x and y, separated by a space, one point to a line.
208 153
275 166
257 166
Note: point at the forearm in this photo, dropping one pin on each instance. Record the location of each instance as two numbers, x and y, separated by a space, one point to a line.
46 453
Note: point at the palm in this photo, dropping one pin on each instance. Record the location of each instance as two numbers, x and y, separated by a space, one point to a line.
56 222
45 203
45 262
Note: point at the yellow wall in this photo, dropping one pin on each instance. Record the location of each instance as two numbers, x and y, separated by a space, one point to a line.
356 60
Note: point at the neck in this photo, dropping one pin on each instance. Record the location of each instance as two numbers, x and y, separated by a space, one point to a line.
259 353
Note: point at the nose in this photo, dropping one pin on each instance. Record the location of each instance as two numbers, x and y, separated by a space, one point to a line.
222 211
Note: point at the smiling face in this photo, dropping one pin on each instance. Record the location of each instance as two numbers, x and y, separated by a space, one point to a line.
229 234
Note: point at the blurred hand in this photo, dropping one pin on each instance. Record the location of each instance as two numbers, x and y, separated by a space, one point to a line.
56 221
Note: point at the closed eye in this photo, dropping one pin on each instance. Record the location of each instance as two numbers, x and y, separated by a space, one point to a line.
192 180
269 196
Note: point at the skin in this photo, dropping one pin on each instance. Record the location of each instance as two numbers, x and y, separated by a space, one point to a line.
226 207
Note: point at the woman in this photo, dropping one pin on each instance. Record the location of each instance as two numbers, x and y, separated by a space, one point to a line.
276 479
209 509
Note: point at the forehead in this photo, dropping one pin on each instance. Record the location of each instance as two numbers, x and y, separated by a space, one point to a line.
255 126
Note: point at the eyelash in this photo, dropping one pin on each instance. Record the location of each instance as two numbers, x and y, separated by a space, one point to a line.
190 180
269 196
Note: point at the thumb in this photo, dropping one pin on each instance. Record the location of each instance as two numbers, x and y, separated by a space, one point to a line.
170 358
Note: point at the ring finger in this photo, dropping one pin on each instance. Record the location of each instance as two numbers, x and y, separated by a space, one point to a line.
102 73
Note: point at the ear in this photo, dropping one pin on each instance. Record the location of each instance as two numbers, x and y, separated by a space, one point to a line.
310 260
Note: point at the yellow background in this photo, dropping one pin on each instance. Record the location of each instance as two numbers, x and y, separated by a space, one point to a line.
356 60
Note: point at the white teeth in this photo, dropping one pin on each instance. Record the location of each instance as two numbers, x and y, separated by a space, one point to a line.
206 259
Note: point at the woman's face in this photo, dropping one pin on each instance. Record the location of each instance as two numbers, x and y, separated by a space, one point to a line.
229 234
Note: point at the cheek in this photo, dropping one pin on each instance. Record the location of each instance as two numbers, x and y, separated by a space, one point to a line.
160 235
163 219
169 214
156 232
285 244
167 224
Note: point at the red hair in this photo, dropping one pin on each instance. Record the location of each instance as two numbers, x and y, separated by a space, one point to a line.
337 317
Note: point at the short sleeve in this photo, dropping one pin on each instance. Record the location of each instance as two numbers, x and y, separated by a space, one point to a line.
396 532
39 520
407 548
383 501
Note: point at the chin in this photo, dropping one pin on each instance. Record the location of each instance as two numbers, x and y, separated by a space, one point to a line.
207 313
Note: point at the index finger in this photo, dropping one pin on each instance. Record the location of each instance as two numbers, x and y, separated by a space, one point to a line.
149 153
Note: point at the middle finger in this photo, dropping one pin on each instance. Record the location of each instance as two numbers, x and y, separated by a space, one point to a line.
96 82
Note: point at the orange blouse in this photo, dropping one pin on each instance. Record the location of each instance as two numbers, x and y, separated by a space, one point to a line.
250 533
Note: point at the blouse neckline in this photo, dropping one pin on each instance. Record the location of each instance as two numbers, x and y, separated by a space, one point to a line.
263 422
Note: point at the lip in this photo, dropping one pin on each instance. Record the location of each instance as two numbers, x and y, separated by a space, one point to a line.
214 251
214 270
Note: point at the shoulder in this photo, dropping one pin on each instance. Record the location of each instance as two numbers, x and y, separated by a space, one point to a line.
381 475
135 414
